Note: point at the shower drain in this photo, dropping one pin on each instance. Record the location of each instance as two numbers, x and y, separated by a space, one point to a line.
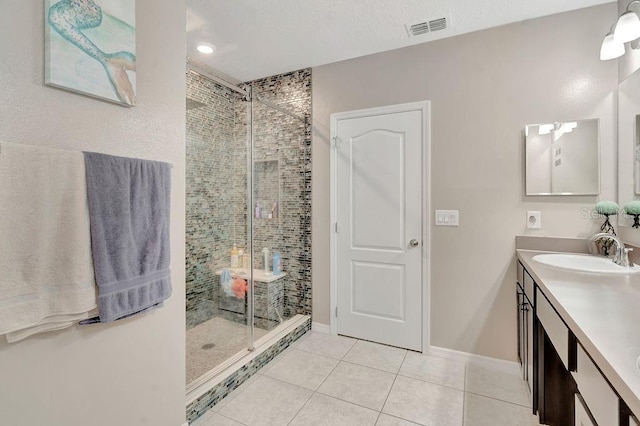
209 346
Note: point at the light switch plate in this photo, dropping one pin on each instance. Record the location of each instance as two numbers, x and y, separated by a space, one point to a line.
447 218
533 220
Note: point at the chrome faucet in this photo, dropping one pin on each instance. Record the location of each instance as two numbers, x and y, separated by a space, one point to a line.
622 253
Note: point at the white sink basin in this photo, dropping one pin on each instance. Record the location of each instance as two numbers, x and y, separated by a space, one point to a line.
584 263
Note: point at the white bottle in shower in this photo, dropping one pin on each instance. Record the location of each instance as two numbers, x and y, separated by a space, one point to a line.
234 257
265 259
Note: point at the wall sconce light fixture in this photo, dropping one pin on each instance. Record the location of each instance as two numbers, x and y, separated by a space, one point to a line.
625 30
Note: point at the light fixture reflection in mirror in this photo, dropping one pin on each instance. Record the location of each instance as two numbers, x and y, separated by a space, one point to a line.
562 158
636 155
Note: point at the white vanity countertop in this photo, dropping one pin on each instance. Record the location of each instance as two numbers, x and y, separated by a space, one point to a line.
603 311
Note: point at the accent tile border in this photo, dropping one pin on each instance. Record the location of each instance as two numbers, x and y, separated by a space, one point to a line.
201 405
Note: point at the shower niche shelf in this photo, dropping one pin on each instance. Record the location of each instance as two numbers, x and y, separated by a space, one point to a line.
266 186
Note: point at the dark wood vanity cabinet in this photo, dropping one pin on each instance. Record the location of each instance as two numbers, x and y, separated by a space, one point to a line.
525 315
551 386
567 388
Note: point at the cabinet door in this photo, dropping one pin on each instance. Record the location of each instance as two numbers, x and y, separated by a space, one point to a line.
582 417
529 344
519 299
595 391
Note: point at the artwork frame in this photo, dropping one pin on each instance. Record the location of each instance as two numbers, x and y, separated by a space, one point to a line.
90 48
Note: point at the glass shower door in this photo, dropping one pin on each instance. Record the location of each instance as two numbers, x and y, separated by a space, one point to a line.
278 159
216 208
247 231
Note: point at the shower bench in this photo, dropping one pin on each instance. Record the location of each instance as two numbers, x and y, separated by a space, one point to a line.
268 298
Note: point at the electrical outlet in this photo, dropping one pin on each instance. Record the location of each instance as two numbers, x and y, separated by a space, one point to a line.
533 220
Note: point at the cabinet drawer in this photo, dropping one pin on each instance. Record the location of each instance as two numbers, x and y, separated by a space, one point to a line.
556 330
528 286
582 418
598 396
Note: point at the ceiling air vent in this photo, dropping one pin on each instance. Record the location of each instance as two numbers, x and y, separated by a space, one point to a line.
427 27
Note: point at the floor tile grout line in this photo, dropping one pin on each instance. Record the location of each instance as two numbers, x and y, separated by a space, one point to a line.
316 353
374 368
464 393
431 382
290 384
349 402
346 402
227 417
301 408
369 367
331 372
238 390
391 388
317 391
498 399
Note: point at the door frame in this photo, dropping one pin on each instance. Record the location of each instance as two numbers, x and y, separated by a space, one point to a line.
425 108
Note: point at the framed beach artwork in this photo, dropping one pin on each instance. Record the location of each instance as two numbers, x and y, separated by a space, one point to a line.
90 48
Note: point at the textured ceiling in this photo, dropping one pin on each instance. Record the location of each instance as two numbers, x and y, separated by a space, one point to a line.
259 38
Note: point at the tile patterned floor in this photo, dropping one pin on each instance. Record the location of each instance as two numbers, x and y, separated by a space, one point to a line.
335 380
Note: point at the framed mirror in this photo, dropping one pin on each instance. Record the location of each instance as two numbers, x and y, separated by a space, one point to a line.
563 158
628 144
636 155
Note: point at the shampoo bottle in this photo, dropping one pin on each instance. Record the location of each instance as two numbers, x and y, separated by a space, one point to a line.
234 257
240 256
265 259
276 263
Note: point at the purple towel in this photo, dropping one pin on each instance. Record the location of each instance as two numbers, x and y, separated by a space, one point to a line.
129 202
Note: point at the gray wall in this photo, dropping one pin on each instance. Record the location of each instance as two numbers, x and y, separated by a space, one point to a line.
484 88
130 372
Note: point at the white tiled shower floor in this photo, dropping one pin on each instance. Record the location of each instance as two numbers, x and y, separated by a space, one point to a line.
334 380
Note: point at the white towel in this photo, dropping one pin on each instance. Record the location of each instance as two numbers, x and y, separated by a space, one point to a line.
46 270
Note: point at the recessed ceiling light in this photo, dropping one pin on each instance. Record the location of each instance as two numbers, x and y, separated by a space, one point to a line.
205 48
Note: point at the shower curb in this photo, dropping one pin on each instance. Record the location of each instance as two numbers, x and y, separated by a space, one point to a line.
214 395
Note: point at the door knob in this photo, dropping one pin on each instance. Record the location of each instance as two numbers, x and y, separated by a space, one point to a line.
414 243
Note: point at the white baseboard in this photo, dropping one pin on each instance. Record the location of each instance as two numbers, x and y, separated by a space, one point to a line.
468 357
320 328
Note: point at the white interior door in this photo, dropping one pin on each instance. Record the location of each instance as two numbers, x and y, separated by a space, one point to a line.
378 210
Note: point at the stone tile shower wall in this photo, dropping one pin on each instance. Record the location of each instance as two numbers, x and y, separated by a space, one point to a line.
210 220
282 173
